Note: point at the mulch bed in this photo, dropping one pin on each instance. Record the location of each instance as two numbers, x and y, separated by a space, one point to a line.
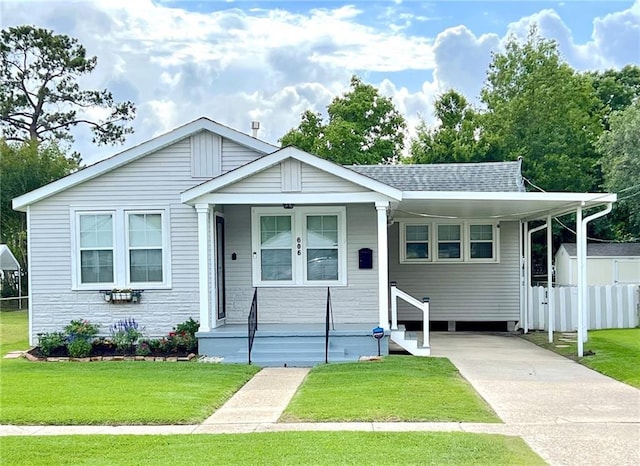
106 352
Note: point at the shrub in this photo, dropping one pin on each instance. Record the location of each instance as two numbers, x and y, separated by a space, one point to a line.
81 329
125 334
79 348
49 342
189 326
143 348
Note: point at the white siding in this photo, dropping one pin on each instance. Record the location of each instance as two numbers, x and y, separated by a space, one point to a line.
355 303
234 155
155 181
312 180
463 291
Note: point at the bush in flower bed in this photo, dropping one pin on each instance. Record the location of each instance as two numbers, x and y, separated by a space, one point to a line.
79 340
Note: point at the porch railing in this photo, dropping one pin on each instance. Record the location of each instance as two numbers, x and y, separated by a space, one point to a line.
423 306
327 319
252 323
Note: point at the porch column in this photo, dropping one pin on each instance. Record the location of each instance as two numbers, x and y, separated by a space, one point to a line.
203 266
383 265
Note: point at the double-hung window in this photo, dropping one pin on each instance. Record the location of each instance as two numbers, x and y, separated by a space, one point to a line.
144 234
450 242
120 248
96 244
300 246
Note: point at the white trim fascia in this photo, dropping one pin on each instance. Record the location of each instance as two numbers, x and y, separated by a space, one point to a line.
291 198
136 152
597 198
194 194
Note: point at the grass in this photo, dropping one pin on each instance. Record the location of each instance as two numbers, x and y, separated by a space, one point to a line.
108 392
13 331
616 352
272 448
399 388
115 393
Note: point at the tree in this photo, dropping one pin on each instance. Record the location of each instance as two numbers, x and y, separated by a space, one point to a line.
363 128
620 150
40 97
456 139
539 108
616 89
23 168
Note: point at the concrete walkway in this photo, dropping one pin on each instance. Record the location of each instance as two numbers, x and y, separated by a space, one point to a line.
567 413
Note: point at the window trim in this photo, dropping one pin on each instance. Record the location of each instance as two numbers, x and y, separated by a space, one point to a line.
465 241
299 229
120 249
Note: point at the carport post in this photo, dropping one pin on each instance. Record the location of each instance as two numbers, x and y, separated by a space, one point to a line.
550 278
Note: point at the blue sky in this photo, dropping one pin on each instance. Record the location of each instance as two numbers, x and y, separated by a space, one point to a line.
237 61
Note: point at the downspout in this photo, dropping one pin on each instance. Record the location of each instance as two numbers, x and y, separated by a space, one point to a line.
523 291
582 273
528 272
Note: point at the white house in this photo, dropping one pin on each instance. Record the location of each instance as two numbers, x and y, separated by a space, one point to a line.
212 223
607 264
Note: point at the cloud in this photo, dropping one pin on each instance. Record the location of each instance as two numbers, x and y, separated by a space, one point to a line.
462 59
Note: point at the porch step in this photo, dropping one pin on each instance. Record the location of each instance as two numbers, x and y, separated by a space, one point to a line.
410 341
290 352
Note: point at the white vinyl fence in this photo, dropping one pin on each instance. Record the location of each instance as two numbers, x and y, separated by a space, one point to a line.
615 306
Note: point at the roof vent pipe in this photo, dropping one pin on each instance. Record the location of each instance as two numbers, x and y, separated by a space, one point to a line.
255 126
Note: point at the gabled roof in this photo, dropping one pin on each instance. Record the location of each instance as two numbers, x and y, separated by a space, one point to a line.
191 195
7 260
605 249
475 177
139 151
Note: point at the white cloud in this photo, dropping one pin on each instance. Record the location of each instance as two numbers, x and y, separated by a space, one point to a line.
236 65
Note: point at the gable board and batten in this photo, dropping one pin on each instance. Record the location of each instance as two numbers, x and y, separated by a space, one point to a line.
148 177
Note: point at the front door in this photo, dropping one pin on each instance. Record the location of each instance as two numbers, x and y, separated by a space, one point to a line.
220 267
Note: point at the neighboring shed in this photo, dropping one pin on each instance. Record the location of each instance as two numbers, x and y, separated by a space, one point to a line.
607 264
9 263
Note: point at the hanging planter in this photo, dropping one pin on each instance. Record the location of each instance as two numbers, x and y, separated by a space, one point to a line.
121 296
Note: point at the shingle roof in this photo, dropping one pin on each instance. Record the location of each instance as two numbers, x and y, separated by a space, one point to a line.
606 249
484 177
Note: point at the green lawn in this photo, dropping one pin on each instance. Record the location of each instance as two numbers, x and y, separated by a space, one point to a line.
617 352
13 331
309 448
399 388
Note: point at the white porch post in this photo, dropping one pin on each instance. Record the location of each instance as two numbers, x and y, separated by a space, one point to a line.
582 262
203 266
550 278
524 290
383 265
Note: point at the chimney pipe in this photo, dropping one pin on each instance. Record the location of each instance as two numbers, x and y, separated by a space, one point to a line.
255 126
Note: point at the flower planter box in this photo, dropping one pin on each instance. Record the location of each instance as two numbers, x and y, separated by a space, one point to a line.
121 297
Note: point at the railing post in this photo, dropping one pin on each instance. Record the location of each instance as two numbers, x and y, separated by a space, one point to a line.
425 317
394 306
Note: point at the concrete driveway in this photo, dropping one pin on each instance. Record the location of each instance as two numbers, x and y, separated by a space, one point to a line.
567 413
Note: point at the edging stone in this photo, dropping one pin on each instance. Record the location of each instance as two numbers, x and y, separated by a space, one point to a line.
190 357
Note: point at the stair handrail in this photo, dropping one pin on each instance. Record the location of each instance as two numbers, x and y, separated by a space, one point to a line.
328 317
423 306
252 321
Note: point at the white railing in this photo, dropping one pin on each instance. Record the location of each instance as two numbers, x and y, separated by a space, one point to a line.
615 306
423 306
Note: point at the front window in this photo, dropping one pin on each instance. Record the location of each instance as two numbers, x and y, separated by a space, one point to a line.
96 248
429 241
481 241
305 246
275 248
449 242
120 248
145 247
322 247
